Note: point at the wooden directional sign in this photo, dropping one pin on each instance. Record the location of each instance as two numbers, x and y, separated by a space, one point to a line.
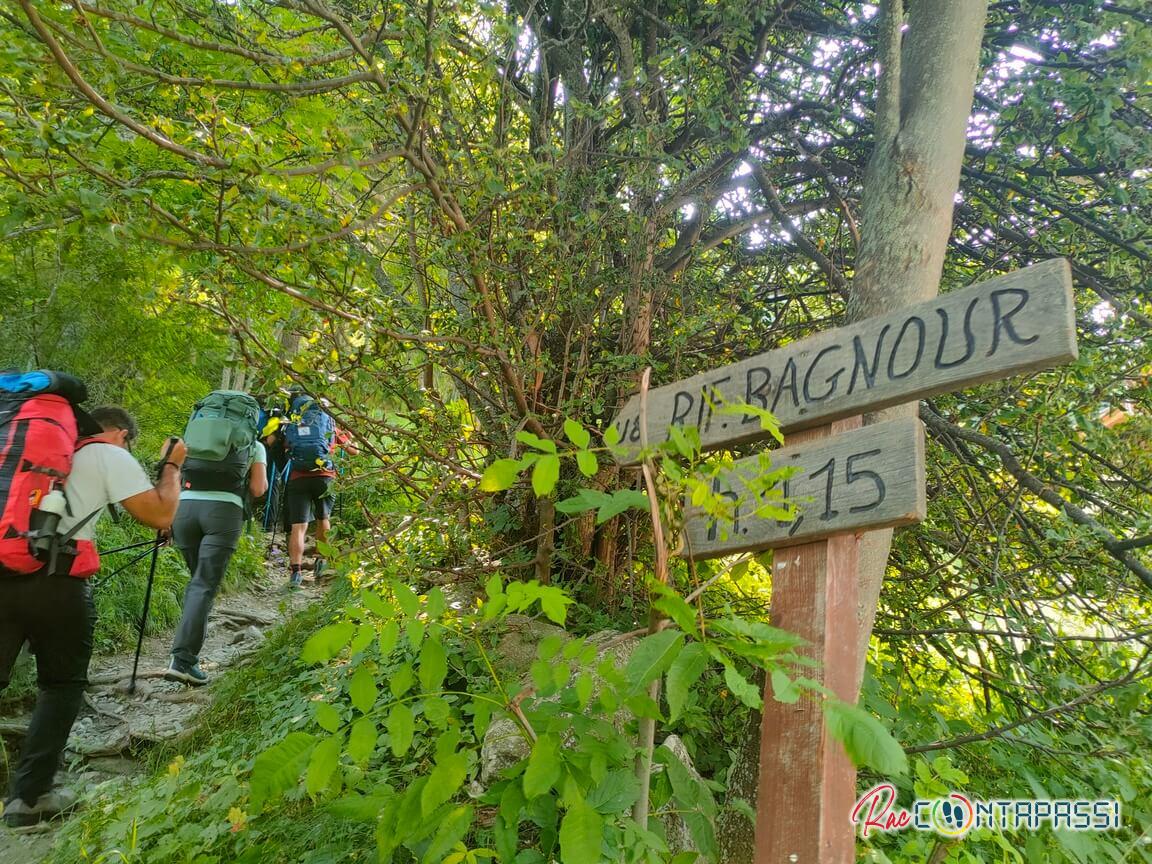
866 479
1014 323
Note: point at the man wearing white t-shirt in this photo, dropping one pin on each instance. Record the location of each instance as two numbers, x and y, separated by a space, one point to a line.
54 614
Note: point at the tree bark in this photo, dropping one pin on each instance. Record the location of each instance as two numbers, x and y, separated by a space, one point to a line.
909 194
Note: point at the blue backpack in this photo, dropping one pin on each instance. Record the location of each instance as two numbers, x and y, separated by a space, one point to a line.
309 436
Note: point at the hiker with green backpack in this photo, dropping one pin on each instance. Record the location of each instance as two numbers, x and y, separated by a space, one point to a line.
225 462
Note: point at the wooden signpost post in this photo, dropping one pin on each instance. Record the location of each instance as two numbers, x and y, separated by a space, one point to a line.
850 479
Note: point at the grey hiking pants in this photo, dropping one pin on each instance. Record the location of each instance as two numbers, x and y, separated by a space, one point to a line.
206 533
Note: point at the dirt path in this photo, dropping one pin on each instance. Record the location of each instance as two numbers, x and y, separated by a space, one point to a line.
114 725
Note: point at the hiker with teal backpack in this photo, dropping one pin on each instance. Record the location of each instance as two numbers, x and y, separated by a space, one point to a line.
225 463
310 437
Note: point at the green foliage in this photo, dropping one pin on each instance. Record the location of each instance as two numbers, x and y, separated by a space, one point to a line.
434 238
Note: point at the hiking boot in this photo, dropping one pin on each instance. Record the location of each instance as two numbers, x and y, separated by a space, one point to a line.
51 804
186 673
295 579
17 814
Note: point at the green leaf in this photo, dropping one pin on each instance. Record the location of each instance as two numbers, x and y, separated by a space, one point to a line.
401 728
406 597
554 603
675 607
328 717
866 739
375 604
433 665
544 768
612 436
623 499
481 717
587 462
401 680
445 779
362 740
327 642
585 684
278 768
784 688
362 690
500 475
680 441
616 793
389 636
436 605
364 636
526 437
763 635
684 672
324 760
452 829
741 688
584 499
581 835
577 434
652 657
545 475
359 808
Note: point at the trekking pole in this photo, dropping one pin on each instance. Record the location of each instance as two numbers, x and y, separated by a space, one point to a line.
139 545
151 579
280 503
268 501
147 602
99 583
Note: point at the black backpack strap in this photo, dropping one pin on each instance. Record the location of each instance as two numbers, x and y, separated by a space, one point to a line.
76 528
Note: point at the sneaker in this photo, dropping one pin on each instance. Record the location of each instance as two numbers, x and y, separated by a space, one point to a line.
318 568
51 804
185 673
295 579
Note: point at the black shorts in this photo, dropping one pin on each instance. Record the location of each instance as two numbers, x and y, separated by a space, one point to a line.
307 499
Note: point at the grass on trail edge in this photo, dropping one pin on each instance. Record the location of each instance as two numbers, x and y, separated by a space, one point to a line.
191 807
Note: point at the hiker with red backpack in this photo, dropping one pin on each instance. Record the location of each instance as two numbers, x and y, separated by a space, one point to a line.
60 468
310 438
225 463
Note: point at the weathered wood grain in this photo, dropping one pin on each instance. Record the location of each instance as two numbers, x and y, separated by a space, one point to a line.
864 479
1011 324
806 778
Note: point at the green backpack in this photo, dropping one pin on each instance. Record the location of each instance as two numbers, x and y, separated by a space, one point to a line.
220 435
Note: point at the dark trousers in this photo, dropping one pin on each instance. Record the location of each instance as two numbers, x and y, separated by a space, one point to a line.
206 533
56 617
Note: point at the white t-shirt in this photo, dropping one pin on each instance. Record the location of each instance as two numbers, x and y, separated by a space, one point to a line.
102 474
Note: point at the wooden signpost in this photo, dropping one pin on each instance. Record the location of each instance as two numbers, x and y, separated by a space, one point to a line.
1014 323
850 479
870 478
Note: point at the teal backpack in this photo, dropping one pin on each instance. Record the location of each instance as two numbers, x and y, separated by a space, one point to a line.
220 435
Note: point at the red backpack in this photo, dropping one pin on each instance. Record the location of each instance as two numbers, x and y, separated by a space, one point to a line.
38 438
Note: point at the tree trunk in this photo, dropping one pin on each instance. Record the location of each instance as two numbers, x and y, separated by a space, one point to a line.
909 195
923 104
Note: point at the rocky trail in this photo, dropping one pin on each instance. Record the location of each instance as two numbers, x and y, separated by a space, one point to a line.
110 739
